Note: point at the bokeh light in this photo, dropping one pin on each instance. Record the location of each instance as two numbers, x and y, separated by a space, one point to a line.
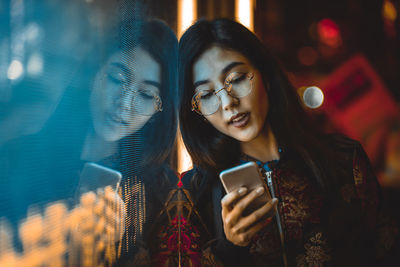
15 70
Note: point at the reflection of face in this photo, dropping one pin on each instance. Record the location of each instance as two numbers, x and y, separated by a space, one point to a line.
122 90
209 73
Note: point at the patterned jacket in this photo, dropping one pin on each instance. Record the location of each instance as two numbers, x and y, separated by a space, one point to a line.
346 228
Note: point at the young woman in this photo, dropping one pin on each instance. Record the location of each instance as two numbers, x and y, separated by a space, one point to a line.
238 106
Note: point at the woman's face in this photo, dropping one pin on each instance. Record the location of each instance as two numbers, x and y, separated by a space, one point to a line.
122 98
239 117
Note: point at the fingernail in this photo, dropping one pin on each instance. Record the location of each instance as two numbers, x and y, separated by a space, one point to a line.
242 190
274 201
260 190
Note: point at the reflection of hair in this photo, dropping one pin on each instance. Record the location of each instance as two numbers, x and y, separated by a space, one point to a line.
154 141
144 153
212 150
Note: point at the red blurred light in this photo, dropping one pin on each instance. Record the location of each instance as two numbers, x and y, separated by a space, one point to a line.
329 32
327 28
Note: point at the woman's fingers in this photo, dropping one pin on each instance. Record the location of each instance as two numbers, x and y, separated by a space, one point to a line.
242 204
238 229
114 208
230 198
246 236
245 223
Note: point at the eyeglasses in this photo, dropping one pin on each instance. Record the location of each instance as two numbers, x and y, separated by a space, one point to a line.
145 100
237 84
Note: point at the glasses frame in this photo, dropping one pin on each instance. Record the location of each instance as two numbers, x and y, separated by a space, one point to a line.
157 104
227 87
126 88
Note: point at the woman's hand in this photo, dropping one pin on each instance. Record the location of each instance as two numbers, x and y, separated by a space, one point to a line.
103 215
240 229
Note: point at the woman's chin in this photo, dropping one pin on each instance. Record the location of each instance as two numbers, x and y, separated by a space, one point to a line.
245 135
110 134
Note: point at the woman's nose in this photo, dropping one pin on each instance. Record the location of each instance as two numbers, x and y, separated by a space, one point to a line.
227 101
125 99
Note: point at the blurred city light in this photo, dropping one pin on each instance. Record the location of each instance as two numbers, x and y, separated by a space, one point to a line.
311 96
329 33
389 11
35 65
15 70
389 15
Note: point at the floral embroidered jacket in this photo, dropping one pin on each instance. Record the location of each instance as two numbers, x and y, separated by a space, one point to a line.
345 229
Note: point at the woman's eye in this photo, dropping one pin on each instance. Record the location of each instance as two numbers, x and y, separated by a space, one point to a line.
145 94
117 78
206 95
238 78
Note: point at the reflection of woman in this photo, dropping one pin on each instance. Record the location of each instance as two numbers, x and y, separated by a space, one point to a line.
238 106
130 103
125 95
148 133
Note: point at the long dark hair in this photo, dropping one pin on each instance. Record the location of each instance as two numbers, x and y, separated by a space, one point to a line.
213 151
144 155
152 144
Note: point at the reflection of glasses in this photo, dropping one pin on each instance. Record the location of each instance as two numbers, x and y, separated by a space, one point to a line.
145 99
237 84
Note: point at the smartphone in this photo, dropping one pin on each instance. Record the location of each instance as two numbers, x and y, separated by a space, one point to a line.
246 175
94 176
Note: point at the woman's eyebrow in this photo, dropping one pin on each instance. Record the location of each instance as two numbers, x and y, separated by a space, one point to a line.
231 66
224 71
198 83
156 84
121 66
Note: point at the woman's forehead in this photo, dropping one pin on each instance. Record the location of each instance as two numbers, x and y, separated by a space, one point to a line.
137 61
214 60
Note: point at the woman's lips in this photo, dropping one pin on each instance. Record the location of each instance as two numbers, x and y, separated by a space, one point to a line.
240 120
116 119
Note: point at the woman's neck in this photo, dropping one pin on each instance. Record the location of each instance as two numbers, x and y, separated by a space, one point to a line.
264 147
96 148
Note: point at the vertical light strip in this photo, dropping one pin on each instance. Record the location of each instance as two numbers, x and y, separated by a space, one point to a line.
187 14
244 12
184 159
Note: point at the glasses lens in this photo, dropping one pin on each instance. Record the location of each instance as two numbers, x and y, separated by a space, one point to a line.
206 102
239 84
146 102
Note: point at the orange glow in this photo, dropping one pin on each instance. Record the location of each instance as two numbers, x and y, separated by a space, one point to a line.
187 14
184 159
389 11
244 11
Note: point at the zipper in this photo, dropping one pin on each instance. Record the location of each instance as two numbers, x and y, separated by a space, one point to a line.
270 184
